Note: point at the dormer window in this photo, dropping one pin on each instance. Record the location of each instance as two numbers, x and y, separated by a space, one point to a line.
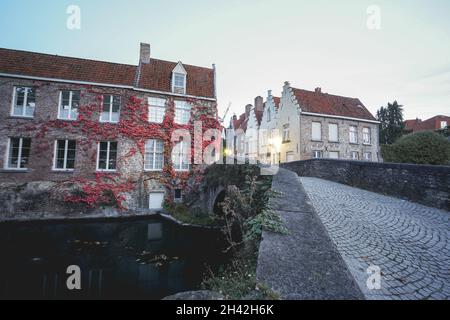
179 83
179 79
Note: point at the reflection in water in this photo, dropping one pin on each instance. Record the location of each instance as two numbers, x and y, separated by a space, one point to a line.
141 258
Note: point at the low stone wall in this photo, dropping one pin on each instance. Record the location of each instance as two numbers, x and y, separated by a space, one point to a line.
425 184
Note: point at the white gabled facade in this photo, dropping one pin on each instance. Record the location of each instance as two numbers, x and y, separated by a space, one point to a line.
268 133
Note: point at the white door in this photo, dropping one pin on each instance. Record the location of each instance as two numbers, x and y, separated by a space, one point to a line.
155 200
289 156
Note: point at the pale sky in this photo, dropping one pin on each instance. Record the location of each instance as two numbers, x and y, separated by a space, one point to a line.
257 45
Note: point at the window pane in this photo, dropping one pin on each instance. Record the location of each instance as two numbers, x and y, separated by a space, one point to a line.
116 104
102 155
316 131
333 132
112 155
20 96
65 106
71 152
26 145
13 152
75 104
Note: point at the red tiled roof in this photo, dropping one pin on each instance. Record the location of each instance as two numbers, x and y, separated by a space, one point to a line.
431 124
154 76
240 123
324 103
157 75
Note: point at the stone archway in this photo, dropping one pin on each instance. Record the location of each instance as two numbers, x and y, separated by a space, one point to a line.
213 197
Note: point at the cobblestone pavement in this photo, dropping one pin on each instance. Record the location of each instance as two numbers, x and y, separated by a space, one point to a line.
409 242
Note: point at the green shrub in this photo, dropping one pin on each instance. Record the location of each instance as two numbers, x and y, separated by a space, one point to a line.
420 148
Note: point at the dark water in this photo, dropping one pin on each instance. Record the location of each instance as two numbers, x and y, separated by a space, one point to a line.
140 258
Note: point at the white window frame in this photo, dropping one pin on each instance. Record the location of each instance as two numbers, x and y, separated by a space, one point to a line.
71 92
350 134
154 153
286 133
444 124
317 152
25 101
110 113
367 158
330 138
19 155
313 138
66 149
174 74
181 110
158 107
108 151
179 166
367 133
357 155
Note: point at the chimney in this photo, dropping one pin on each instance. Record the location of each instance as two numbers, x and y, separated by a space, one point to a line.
259 103
248 108
144 57
318 90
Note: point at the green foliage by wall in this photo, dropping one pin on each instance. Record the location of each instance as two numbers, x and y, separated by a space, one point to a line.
419 148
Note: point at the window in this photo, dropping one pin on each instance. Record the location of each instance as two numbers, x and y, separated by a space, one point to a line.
443 124
156 110
317 154
106 156
182 112
178 195
18 153
368 156
64 156
155 200
24 102
268 115
154 155
353 134
286 137
316 131
366 136
333 135
355 155
334 154
180 156
110 109
69 102
179 83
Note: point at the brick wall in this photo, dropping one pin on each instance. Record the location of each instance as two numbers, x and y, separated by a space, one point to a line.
41 162
428 185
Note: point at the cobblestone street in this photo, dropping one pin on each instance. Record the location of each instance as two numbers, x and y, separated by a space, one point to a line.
409 242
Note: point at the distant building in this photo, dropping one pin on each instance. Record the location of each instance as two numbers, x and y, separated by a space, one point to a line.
304 124
433 124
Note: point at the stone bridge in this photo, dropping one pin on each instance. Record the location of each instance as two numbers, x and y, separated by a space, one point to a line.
340 236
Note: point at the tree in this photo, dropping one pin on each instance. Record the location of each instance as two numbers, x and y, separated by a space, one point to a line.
392 125
424 147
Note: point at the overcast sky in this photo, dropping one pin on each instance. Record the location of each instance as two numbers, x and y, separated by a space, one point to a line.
257 45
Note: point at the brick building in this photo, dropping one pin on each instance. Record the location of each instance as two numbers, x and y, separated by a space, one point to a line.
107 127
433 124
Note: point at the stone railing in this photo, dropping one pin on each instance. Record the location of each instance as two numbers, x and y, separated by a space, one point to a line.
425 184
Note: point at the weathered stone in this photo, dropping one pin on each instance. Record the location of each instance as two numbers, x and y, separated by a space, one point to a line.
425 184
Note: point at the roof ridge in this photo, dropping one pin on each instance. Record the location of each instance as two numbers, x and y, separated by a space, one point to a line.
328 94
102 61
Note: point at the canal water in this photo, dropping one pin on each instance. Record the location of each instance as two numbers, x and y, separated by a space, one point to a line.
147 258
